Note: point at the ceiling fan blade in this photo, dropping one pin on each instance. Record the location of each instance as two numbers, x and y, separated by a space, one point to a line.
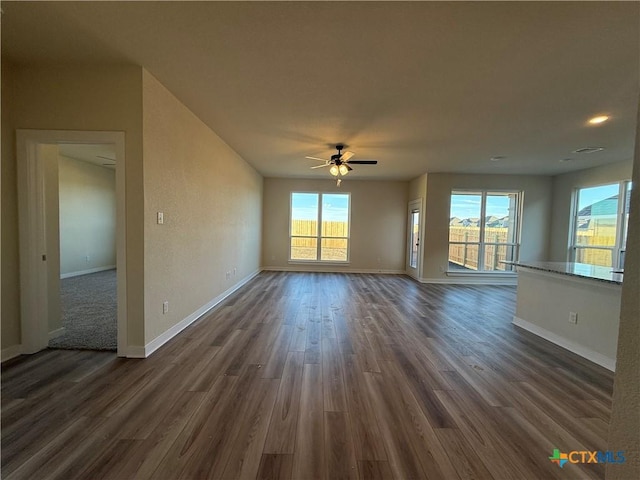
363 162
348 167
316 158
346 156
320 166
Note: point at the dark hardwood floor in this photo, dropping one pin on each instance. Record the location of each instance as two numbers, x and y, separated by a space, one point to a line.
305 376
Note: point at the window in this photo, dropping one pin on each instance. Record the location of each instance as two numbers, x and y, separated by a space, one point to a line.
319 228
483 231
600 222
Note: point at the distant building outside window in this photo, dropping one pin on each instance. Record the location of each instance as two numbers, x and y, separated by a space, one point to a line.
599 224
484 230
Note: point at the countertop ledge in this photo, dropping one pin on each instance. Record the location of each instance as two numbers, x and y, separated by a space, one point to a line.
582 270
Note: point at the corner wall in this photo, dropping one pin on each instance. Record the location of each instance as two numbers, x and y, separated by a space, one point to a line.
9 267
211 200
72 98
624 428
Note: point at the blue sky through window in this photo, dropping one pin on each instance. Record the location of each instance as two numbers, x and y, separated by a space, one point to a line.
591 195
468 206
335 206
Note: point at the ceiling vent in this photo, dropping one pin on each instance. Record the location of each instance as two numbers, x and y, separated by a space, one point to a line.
588 150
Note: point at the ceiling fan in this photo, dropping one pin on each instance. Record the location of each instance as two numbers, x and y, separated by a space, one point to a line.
112 160
340 163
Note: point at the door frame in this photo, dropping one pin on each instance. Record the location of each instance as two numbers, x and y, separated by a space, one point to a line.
34 320
414 205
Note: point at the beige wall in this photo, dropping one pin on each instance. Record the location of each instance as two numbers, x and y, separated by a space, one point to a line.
72 98
418 188
535 220
378 223
211 200
563 187
9 262
87 199
624 428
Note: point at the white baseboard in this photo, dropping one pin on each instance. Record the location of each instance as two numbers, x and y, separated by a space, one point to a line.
585 352
483 280
56 333
331 269
85 272
152 346
11 352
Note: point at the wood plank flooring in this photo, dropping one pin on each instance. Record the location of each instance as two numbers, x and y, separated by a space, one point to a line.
310 375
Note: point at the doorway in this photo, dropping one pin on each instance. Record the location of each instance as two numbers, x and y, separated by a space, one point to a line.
414 235
40 242
85 191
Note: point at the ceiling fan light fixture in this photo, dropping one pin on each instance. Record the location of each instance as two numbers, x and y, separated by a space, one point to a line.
340 163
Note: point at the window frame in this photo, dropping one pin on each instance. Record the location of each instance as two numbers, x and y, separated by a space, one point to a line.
481 243
319 237
617 250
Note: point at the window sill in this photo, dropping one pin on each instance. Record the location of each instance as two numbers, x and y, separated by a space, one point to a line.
318 262
474 273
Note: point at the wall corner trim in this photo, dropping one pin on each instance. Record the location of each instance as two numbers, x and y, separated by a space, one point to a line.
156 343
11 352
591 355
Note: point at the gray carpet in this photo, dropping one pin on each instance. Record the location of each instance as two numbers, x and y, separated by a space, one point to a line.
89 312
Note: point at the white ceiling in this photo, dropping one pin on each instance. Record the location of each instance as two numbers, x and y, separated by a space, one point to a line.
419 86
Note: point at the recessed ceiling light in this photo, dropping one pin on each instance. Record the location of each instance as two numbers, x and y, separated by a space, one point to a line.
497 158
599 119
588 150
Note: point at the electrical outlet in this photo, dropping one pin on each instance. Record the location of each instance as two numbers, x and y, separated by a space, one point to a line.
160 218
573 318
228 274
234 271
165 307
